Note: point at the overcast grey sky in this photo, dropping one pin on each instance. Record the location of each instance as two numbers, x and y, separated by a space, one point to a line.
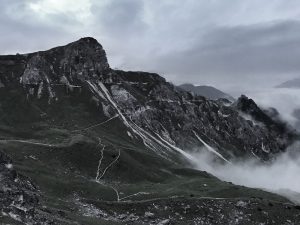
231 44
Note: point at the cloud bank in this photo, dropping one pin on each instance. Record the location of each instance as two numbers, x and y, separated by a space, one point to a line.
232 45
278 176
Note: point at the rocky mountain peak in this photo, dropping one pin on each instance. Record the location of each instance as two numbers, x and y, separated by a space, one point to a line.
268 117
68 65
87 40
246 104
86 49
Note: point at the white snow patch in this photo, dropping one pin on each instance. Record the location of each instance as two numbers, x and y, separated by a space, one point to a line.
149 214
95 89
32 157
223 115
129 134
9 166
263 148
166 136
106 109
39 94
14 216
255 155
164 222
21 198
209 148
4 213
187 155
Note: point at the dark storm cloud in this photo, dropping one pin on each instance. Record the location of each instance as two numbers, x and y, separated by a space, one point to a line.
120 17
259 52
223 43
22 32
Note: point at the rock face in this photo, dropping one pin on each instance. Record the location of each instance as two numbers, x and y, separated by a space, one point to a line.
270 117
152 109
18 196
69 65
85 132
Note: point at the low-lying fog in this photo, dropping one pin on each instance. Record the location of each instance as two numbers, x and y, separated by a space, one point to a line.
281 175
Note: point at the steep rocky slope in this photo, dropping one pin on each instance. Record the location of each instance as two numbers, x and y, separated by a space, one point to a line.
18 196
151 109
109 145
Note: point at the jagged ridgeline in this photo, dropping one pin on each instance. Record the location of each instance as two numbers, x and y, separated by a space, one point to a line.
99 145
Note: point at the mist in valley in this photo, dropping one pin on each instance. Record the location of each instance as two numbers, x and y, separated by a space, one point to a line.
279 175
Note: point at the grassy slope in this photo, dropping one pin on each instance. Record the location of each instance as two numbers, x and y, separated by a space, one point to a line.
66 170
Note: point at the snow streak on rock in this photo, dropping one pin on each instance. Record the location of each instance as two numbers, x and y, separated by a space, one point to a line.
188 156
149 140
209 148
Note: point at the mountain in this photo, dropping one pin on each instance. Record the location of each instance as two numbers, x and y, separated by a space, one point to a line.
208 92
294 83
81 143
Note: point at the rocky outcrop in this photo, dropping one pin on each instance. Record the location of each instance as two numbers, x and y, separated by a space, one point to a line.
189 121
268 117
18 195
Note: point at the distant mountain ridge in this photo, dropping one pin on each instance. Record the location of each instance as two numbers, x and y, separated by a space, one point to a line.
294 83
206 91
